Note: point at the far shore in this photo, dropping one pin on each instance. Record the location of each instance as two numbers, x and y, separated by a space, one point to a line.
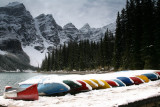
61 72
75 72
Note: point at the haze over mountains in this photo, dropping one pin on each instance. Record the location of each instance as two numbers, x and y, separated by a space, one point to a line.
21 35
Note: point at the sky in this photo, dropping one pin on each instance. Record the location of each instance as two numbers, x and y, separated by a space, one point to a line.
96 13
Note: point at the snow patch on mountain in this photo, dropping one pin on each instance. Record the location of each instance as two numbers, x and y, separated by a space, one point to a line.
35 56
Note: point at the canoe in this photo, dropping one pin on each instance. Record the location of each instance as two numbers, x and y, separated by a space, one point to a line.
50 88
84 86
72 84
121 84
91 83
136 80
30 93
106 85
100 83
126 80
158 73
112 83
151 76
143 77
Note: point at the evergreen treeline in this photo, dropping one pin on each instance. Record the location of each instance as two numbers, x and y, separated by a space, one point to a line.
137 43
84 55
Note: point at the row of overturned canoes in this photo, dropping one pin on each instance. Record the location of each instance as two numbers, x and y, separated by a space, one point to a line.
73 86
31 88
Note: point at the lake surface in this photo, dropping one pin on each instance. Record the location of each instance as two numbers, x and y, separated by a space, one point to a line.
13 78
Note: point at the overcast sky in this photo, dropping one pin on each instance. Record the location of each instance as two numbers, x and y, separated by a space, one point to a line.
97 13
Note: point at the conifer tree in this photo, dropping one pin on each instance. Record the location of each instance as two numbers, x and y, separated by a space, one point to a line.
157 34
53 61
148 38
117 48
48 62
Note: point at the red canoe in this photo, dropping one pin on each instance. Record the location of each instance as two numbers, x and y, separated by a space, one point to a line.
158 72
85 86
137 80
30 93
112 83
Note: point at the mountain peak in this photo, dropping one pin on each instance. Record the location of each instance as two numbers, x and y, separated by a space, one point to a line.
49 16
41 15
13 4
69 25
86 26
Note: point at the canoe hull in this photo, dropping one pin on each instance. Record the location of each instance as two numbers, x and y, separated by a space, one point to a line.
137 80
72 84
91 83
143 77
84 87
50 88
30 93
119 82
106 85
151 76
112 83
126 80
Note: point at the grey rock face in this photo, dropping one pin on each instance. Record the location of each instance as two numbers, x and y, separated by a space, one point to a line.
69 33
17 23
48 28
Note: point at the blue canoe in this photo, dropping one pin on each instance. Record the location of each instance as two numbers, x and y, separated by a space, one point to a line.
121 84
151 76
49 88
126 80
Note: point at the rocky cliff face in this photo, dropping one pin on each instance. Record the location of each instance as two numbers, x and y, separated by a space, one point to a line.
41 34
48 29
69 33
17 23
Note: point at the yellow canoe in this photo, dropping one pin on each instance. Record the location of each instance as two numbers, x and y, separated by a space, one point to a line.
106 85
144 78
100 83
91 83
